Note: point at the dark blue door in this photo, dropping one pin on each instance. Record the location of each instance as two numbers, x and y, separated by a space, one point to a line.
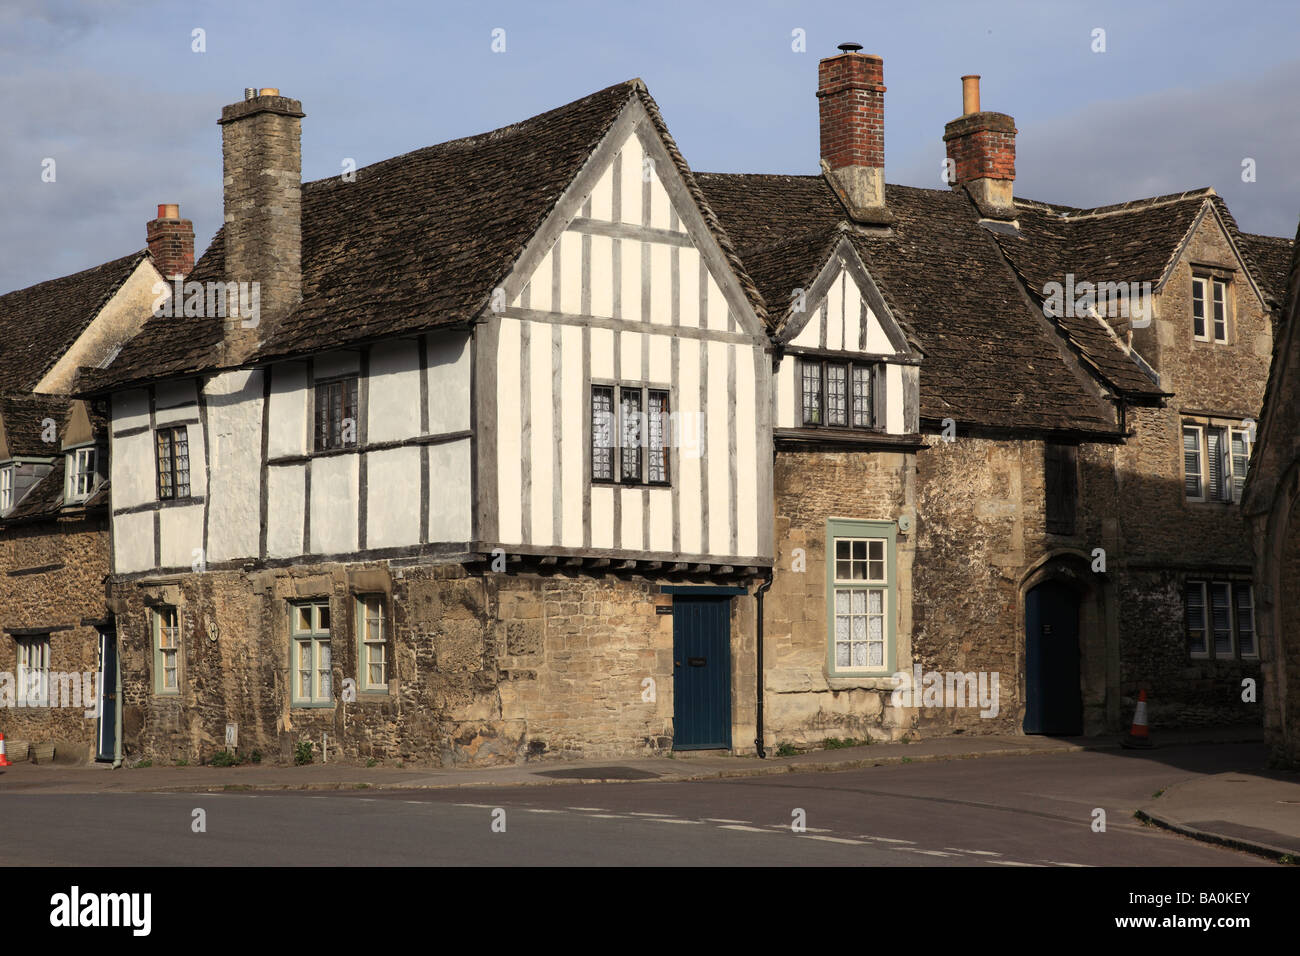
106 739
1053 701
701 672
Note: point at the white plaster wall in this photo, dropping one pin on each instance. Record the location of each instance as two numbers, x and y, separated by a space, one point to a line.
392 498
287 415
171 397
330 364
509 434
573 501
894 423
234 412
132 464
716 458
130 410
180 535
393 409
285 493
335 489
785 394
691 460
133 542
747 462
449 378
450 502
542 434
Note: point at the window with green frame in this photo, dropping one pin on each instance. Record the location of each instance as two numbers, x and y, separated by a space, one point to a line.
373 657
313 680
166 623
860 597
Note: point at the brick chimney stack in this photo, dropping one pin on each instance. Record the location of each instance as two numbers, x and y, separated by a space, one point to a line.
261 150
171 241
982 147
851 105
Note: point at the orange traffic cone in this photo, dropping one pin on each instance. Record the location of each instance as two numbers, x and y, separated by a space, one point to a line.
4 761
1138 737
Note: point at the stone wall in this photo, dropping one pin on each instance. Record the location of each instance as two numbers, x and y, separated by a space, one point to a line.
492 668
804 705
52 576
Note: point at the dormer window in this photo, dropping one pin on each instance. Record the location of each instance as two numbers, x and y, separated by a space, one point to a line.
81 473
1210 309
6 488
838 394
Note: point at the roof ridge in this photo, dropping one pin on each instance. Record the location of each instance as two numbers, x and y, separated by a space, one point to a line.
478 139
1204 192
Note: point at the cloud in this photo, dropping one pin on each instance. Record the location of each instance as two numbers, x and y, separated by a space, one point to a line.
1167 142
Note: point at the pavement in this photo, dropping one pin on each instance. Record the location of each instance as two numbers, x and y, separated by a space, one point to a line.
1252 809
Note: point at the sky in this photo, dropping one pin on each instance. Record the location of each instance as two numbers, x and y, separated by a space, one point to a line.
1167 97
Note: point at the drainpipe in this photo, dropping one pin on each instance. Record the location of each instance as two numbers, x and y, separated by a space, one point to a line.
117 711
762 589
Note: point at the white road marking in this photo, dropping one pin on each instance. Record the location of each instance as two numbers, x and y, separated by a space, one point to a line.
636 814
911 849
671 820
866 836
722 820
1081 865
746 829
607 816
974 852
535 810
589 809
837 840
1011 863
480 805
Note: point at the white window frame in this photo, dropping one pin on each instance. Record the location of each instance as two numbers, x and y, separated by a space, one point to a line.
6 488
1206 587
1201 283
1231 478
1218 303
370 609
167 650
867 586
81 469
34 659
310 652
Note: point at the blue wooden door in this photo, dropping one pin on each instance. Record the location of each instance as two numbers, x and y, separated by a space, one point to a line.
106 738
1053 700
701 672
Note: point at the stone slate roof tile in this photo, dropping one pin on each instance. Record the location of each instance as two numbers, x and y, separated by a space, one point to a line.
40 323
23 417
417 242
990 358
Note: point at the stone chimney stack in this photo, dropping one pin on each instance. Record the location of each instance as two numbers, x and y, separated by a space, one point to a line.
261 151
851 105
982 147
171 241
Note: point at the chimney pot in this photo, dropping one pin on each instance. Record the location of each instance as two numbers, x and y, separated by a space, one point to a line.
982 149
269 91
250 92
171 241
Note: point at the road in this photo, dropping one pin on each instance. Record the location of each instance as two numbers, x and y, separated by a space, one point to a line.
993 812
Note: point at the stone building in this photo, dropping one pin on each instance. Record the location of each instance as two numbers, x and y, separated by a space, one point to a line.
1272 506
537 442
56 650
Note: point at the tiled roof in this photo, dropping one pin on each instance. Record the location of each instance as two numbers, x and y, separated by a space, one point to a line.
418 241
24 417
1271 256
991 359
39 324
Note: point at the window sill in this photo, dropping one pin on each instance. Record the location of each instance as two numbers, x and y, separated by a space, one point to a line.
307 705
865 682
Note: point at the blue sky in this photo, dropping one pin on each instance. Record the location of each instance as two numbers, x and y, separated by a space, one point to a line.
112 90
